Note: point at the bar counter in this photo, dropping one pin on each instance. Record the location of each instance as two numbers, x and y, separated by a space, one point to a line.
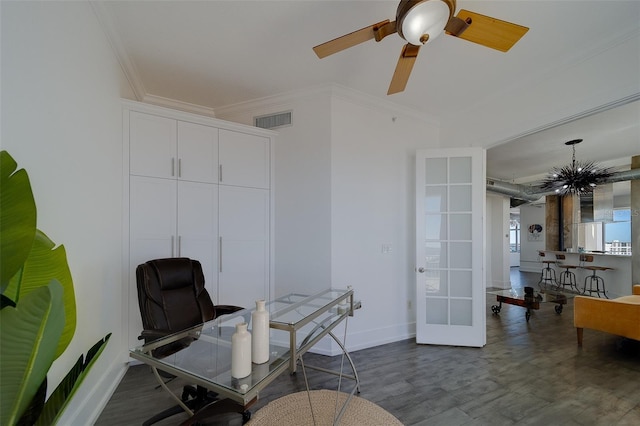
617 280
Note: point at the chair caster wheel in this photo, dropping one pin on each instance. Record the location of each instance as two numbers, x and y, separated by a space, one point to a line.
246 416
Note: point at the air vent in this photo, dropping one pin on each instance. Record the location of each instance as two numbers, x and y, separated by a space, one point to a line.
272 121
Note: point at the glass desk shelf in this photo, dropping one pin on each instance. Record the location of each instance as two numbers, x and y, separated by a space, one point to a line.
202 354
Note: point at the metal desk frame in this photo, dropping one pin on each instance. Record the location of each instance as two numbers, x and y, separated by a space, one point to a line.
289 356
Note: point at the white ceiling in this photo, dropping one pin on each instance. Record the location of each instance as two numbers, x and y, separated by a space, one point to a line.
611 137
219 53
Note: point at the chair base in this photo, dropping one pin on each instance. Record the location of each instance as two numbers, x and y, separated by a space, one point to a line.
591 290
547 276
568 279
216 408
193 397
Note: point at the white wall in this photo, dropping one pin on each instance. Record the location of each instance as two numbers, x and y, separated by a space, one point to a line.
61 121
302 188
529 215
345 186
497 241
373 203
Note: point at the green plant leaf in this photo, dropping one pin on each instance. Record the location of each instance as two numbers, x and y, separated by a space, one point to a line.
58 400
46 263
31 414
30 334
17 218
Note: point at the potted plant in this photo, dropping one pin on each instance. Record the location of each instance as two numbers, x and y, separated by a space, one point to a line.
37 309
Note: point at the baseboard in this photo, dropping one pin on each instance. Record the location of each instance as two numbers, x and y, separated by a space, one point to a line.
85 408
381 336
369 339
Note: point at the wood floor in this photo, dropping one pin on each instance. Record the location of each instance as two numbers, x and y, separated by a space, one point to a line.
529 373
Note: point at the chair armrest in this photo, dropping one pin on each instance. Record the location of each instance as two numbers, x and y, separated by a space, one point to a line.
151 335
168 349
226 309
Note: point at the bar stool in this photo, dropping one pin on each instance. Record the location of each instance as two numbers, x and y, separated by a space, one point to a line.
593 278
548 274
567 278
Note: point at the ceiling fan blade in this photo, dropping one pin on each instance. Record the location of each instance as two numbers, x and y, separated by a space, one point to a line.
403 68
349 40
490 32
456 26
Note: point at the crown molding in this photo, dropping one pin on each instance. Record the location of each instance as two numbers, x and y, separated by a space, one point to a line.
360 98
281 99
192 117
107 22
332 90
179 105
568 119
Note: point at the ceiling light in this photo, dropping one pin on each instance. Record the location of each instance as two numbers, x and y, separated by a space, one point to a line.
577 178
423 21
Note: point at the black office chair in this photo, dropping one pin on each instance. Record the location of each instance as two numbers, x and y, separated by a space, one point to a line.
172 297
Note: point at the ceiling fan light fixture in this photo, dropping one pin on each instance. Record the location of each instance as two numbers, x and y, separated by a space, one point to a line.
423 21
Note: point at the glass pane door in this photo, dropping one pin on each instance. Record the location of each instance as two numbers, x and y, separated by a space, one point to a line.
449 252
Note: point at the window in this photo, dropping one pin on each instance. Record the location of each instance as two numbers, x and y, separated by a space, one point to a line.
514 234
617 234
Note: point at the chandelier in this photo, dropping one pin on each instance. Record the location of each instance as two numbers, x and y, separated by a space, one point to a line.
577 178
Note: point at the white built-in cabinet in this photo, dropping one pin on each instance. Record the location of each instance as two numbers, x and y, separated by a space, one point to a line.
199 188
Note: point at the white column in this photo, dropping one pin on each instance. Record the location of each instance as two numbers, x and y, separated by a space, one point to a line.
497 260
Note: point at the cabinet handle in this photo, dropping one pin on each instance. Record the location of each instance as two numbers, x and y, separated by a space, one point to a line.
179 245
172 241
173 166
220 173
219 254
179 167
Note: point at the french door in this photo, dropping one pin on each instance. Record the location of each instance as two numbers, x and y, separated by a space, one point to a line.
450 277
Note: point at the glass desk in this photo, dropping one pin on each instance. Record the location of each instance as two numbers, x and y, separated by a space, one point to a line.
297 322
532 301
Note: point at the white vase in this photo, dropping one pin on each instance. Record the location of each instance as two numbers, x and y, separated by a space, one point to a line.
241 352
260 333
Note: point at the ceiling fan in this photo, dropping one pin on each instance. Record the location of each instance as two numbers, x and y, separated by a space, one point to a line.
421 21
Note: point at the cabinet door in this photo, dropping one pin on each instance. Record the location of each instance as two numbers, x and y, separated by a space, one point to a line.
244 246
152 218
244 159
197 152
198 228
152 145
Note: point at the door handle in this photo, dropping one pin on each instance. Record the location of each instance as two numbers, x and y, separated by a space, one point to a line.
421 270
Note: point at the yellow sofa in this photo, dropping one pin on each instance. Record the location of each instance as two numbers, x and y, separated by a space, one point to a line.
619 316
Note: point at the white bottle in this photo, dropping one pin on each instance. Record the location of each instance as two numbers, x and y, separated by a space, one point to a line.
241 352
260 333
